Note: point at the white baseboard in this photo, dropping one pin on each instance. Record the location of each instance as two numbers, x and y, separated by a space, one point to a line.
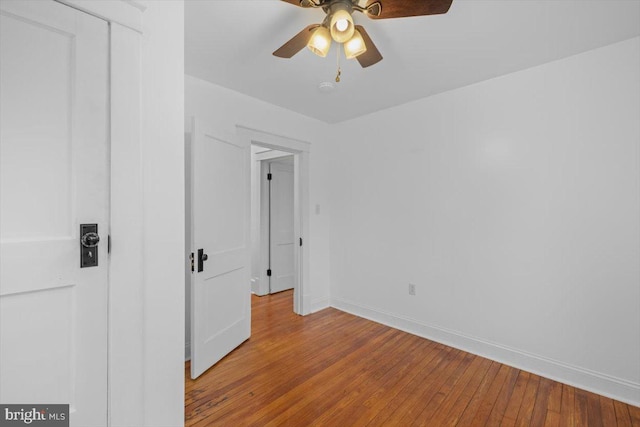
606 385
319 304
187 351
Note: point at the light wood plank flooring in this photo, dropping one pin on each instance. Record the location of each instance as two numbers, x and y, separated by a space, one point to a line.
335 369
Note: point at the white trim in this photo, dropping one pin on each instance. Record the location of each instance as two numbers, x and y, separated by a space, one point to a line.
270 155
262 191
606 385
320 304
126 294
273 141
300 150
127 13
137 4
189 129
126 300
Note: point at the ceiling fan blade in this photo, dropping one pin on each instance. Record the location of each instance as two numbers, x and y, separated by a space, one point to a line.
372 55
296 44
383 9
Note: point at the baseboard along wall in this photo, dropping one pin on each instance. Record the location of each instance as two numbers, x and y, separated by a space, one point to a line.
615 388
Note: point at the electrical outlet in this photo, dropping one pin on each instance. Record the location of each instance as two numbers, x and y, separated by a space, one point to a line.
412 289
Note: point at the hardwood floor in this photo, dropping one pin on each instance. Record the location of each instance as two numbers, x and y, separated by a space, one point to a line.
335 369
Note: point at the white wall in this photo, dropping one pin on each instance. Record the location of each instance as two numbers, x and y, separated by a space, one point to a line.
225 109
162 136
513 206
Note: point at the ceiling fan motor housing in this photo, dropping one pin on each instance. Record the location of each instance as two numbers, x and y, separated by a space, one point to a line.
331 6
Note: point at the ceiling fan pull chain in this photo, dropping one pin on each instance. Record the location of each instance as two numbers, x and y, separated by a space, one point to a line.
338 63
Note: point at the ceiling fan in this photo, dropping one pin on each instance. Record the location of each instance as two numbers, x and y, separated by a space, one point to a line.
338 26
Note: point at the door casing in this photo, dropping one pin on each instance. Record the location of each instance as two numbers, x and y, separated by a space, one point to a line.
126 355
301 151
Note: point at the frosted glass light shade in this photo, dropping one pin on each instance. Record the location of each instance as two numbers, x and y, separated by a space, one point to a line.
355 46
341 25
320 41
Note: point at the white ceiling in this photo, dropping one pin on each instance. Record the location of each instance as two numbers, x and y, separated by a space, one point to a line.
229 43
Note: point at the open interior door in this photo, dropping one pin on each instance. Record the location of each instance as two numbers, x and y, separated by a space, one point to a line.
220 294
282 240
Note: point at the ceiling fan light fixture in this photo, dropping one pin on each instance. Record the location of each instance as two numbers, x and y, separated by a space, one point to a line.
341 24
355 46
320 41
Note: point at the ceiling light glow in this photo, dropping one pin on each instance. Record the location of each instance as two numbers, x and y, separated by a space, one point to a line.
355 46
341 25
320 41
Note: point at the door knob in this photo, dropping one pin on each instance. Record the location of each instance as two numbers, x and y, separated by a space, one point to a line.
90 240
202 257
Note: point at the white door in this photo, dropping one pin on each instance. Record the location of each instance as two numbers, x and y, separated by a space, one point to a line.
282 239
221 292
54 177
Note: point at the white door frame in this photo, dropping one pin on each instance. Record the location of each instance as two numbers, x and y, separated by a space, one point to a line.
301 151
126 355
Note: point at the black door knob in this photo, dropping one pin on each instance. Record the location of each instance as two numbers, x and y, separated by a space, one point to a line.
202 257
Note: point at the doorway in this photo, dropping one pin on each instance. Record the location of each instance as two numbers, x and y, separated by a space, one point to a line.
202 327
299 152
272 221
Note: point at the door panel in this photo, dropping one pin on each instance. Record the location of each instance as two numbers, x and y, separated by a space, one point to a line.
37 136
53 177
221 317
49 327
220 296
282 239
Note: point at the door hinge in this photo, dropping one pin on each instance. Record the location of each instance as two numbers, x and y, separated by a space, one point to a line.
301 241
269 176
109 243
269 272
192 263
